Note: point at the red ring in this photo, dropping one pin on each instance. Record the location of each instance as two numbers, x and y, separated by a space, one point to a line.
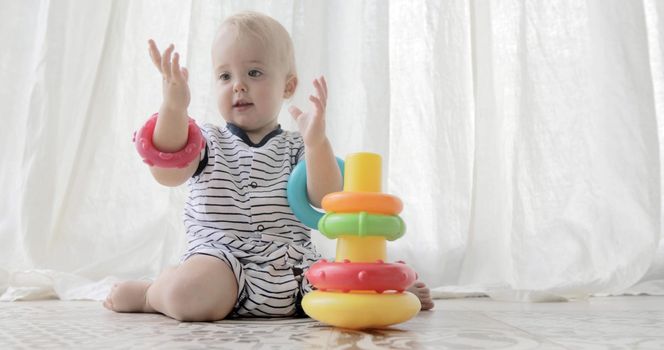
180 159
348 276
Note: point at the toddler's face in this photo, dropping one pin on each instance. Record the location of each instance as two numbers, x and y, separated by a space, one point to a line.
250 82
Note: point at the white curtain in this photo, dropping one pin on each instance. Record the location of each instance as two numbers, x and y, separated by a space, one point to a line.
524 137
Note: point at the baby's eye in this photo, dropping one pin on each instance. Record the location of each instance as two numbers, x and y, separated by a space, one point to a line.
224 76
254 73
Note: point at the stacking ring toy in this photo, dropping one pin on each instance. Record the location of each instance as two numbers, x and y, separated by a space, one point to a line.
359 290
372 202
298 200
361 309
180 159
345 276
361 224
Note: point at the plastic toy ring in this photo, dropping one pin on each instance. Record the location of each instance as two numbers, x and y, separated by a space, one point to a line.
344 276
362 309
180 159
371 202
333 225
296 191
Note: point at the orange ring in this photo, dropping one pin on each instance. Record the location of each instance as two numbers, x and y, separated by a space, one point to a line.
371 202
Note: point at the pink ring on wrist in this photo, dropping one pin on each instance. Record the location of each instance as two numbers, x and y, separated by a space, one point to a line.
180 159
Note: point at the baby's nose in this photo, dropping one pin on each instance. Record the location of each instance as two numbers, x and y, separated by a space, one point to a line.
239 87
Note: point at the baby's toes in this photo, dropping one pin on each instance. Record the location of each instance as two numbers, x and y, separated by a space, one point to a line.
107 304
427 304
423 293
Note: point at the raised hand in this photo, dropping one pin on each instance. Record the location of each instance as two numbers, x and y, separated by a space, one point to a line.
311 124
175 86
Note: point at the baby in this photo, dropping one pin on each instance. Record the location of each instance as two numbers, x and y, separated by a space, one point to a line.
246 252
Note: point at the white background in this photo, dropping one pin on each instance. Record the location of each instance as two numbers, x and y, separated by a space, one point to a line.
524 137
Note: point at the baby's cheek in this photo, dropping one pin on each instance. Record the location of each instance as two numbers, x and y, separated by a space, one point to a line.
275 98
224 102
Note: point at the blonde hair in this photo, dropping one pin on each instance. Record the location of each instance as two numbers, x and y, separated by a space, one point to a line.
270 33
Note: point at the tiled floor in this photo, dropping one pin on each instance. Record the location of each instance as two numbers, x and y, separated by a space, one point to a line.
599 323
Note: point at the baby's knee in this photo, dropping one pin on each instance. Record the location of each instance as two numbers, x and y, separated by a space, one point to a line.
186 302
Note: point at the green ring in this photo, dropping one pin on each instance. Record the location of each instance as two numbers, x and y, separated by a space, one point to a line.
361 224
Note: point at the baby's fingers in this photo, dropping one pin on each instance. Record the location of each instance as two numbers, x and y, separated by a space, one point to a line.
154 54
318 104
322 79
324 82
166 62
177 73
295 112
320 91
185 74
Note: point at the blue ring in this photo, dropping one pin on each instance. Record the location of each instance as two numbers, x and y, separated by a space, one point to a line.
298 200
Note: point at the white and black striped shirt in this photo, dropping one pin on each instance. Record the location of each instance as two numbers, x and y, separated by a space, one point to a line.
242 189
237 206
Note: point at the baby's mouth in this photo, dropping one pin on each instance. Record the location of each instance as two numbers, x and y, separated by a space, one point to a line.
242 105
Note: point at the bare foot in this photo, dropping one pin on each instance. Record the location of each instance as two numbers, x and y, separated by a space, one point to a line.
129 296
422 292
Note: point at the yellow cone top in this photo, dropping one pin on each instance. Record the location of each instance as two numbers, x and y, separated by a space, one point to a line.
363 172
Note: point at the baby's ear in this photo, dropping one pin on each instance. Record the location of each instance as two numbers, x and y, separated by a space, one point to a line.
291 85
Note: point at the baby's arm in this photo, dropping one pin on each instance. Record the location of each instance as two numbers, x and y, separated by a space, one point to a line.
323 175
171 130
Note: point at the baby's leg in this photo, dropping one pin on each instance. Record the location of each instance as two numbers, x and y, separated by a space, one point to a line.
203 288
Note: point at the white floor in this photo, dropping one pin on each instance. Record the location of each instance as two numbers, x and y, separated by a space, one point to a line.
598 323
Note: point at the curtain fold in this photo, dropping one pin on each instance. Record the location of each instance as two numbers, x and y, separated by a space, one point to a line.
566 188
522 137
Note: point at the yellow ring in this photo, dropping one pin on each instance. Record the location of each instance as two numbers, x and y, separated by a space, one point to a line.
372 202
361 310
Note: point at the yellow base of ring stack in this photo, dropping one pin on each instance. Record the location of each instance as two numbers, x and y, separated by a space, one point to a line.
359 310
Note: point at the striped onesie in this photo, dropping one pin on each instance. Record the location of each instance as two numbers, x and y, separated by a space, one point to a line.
237 211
